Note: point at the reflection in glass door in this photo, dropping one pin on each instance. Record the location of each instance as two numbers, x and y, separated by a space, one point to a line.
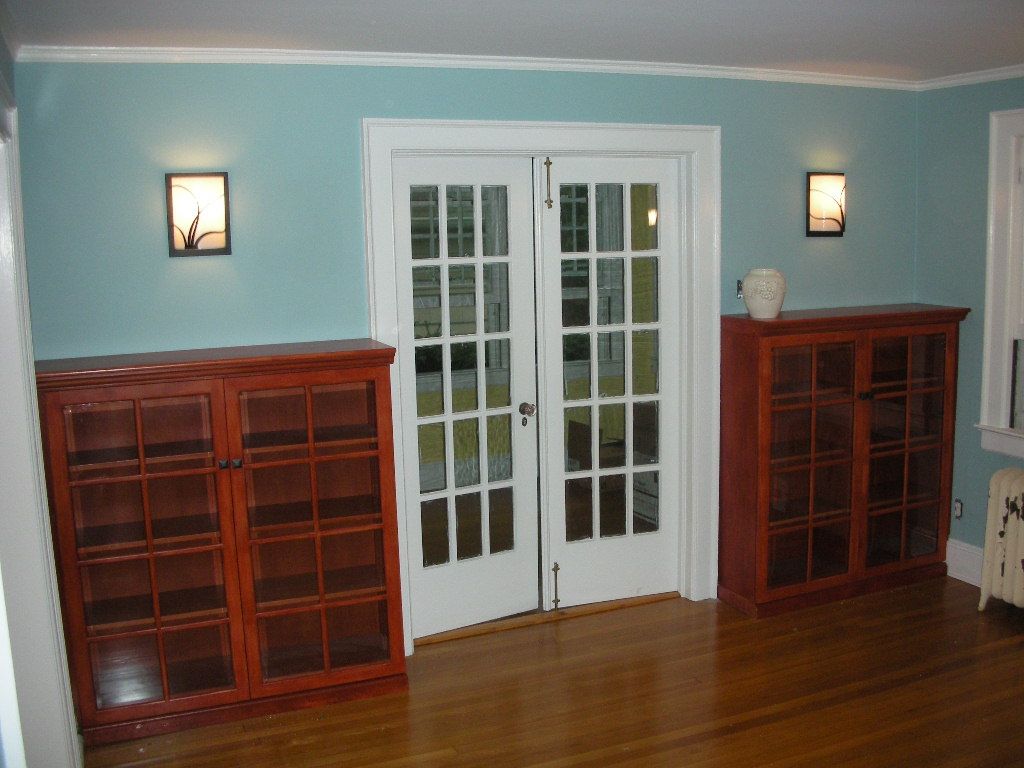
465 296
610 351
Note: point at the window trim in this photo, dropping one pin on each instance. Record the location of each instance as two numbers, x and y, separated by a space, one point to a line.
1004 281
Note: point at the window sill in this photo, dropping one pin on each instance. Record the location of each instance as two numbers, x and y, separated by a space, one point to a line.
1002 440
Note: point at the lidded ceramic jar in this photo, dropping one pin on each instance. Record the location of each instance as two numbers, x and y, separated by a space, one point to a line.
763 291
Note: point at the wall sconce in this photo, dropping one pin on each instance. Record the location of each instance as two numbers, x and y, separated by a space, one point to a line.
826 204
197 214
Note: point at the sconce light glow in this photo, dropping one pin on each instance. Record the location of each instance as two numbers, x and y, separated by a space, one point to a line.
826 204
197 214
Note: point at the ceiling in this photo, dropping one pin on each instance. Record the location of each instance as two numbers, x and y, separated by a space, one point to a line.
902 40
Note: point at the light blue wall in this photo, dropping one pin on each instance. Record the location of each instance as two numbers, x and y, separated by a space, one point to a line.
951 252
97 139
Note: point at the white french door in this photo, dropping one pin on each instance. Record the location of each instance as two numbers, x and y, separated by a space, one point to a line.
611 318
496 292
464 269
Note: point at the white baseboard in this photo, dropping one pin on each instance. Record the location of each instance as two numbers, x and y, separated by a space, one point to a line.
964 561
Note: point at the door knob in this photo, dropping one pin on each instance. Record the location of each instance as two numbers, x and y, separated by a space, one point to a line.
527 410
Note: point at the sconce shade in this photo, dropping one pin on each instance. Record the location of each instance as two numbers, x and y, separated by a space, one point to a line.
197 214
826 204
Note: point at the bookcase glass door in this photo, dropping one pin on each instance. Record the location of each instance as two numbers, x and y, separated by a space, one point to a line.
906 447
311 519
811 401
149 547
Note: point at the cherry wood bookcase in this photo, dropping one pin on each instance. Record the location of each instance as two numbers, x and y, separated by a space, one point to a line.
225 527
837 452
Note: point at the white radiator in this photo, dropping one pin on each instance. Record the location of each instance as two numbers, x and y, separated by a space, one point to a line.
1002 575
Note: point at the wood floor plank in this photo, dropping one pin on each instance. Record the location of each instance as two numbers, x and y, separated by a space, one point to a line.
911 677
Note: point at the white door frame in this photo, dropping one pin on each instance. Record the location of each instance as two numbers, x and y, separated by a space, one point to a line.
698 150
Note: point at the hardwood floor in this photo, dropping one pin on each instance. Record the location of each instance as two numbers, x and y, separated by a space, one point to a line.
911 677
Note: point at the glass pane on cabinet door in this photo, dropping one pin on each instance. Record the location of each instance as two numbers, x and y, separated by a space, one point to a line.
926 411
344 418
922 530
284 573
928 360
109 519
118 597
274 424
889 364
924 472
790 496
279 499
291 645
830 550
834 376
832 490
885 486
198 660
791 435
791 374
787 558
126 670
183 509
833 432
884 538
348 492
177 433
190 587
357 634
353 563
888 420
101 440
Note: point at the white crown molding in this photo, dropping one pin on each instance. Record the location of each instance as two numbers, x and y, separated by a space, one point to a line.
161 55
972 78
133 55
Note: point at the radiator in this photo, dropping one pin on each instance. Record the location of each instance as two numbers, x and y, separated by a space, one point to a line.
1002 574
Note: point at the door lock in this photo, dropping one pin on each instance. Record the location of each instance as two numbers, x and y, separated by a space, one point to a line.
527 410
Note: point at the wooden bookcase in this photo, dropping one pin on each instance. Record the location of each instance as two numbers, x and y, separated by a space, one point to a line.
837 452
225 528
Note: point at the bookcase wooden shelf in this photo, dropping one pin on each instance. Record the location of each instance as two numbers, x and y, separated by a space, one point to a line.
837 452
225 527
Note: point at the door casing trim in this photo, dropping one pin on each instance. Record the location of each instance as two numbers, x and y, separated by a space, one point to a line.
699 148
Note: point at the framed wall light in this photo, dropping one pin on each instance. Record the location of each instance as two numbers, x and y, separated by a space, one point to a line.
826 204
197 214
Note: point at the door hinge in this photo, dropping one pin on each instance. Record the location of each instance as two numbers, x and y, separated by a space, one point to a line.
555 571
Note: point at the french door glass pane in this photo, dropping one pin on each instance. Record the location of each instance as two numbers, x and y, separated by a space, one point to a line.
576 366
575 218
645 289
645 433
434 531
466 438
611 291
644 216
462 299
423 216
469 541
460 221
501 519
429 380
608 202
579 509
611 364
612 447
426 302
432 457
464 382
499 447
496 306
645 362
575 292
494 220
646 514
578 450
613 505
497 362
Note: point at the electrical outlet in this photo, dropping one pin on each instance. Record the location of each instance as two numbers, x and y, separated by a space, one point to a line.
739 289
958 508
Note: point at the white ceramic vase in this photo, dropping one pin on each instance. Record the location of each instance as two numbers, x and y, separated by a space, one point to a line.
763 291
